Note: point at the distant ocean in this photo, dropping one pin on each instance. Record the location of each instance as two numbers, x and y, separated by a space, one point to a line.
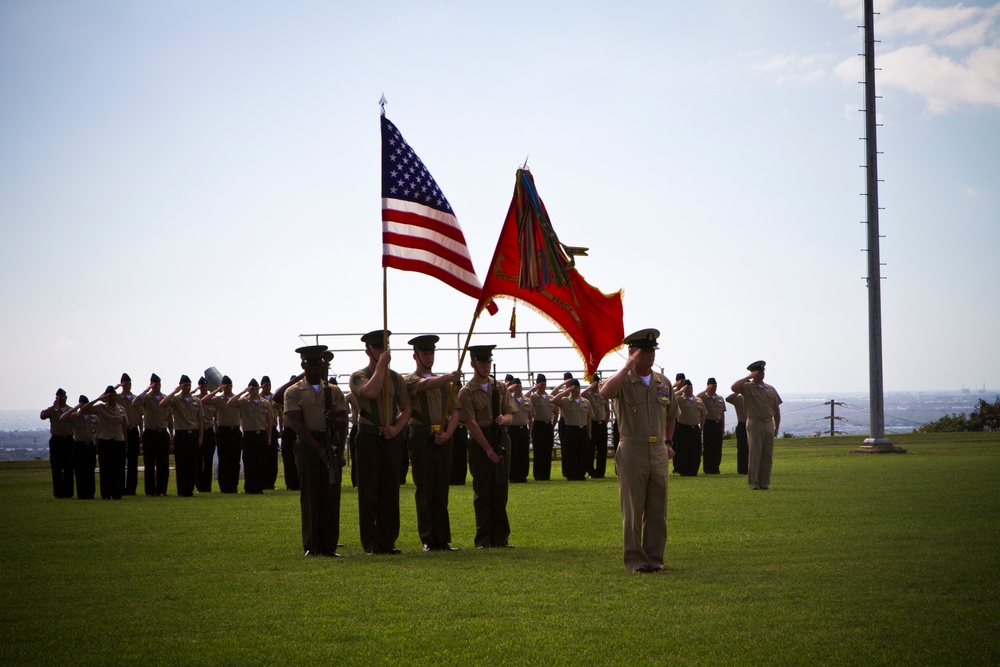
801 414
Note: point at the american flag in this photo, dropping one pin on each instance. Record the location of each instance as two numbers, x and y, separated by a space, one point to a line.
419 230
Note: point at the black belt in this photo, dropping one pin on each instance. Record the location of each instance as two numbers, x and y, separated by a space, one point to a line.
424 429
520 426
570 426
185 430
231 428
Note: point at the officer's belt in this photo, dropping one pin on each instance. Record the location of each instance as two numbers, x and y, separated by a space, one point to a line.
634 440
424 429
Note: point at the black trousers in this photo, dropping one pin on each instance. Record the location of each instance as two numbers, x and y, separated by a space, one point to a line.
156 461
598 449
84 464
520 453
687 449
574 452
459 456
230 442
319 500
712 447
61 460
111 455
542 441
288 460
489 495
133 447
378 491
186 460
742 449
431 474
254 461
206 461
271 461
404 461
352 450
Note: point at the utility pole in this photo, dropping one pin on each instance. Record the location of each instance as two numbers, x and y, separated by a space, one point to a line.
876 443
833 417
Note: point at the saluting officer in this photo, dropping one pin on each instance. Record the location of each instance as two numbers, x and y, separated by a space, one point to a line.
189 429
155 438
647 411
485 408
763 421
543 413
60 446
385 411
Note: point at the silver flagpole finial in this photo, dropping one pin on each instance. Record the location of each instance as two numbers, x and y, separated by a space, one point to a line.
382 102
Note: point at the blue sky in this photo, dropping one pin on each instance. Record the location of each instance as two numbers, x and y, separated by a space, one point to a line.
195 184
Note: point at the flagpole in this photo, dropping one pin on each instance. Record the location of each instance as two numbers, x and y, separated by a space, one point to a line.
385 339
461 360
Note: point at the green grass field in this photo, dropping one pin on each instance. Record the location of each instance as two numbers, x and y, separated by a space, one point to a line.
849 559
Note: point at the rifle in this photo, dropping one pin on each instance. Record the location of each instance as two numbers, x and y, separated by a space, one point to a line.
500 474
331 437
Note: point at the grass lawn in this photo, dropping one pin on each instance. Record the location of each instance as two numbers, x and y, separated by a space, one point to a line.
849 559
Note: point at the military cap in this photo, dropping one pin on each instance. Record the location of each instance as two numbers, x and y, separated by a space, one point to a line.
574 383
424 343
311 352
332 379
253 383
202 381
686 383
125 378
481 352
328 356
756 366
264 379
109 390
60 392
597 376
84 399
679 377
711 381
567 376
514 380
540 377
185 378
154 378
644 339
509 378
375 337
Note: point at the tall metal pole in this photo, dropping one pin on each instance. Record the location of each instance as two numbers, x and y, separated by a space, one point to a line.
877 442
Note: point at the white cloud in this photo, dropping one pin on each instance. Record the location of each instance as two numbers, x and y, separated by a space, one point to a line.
948 56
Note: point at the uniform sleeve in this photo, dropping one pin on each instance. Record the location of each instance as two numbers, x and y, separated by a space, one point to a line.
466 411
339 401
403 400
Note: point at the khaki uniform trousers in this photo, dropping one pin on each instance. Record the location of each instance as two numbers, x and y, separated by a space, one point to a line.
760 439
643 470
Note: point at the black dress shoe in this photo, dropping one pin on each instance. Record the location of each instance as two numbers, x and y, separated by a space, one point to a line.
447 547
309 553
428 547
394 551
332 554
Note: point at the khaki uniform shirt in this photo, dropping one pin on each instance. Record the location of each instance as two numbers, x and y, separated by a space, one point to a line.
542 407
225 414
761 400
352 403
475 404
692 410
738 405
111 421
57 427
301 397
209 411
525 411
714 406
435 399
186 411
131 413
598 406
643 411
255 414
155 417
576 412
371 409
83 427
